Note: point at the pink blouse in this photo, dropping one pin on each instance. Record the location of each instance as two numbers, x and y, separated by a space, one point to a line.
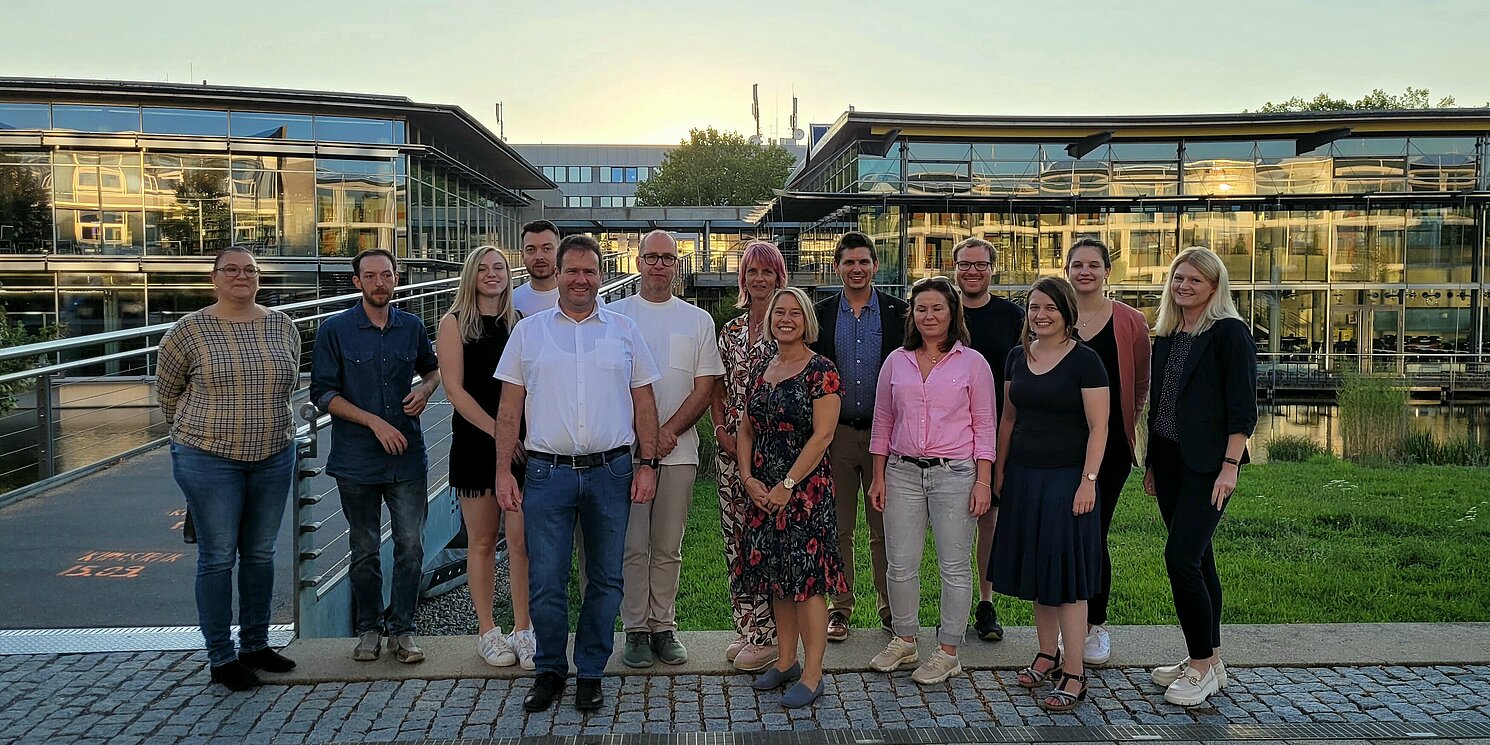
948 415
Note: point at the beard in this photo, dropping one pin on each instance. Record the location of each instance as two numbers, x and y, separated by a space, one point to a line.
377 301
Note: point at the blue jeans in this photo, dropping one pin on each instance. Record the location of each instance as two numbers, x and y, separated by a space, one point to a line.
237 507
555 497
408 506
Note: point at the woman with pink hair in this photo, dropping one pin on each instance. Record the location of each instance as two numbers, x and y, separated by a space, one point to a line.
744 349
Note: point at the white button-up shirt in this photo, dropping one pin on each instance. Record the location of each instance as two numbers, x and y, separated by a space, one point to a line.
578 377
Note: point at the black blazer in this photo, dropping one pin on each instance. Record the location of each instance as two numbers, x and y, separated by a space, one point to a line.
892 325
1217 393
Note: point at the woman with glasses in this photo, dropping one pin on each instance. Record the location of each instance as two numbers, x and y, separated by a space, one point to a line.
1053 432
1205 376
1120 336
469 344
224 375
744 347
933 446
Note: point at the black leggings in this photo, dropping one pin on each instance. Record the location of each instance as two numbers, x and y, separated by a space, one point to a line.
1117 466
1184 498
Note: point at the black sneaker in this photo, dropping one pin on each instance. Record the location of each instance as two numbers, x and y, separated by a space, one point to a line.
268 660
986 622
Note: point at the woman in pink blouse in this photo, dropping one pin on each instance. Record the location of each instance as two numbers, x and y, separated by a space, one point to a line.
932 441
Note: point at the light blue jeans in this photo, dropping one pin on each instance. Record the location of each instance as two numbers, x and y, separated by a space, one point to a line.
237 507
912 496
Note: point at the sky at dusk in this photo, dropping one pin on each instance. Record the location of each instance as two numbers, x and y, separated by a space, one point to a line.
615 72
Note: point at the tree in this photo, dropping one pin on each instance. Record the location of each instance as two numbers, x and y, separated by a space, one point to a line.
715 169
25 209
1412 98
15 335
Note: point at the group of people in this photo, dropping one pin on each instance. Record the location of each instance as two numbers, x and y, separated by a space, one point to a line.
1009 431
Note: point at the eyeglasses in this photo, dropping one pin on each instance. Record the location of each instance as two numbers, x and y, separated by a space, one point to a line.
981 266
234 271
942 282
666 259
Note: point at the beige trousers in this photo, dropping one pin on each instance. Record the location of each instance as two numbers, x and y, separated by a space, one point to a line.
654 553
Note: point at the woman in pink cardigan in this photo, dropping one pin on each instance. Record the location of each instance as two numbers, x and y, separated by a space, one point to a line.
1120 336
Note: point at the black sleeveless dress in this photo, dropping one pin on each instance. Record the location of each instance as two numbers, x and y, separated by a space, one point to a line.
472 450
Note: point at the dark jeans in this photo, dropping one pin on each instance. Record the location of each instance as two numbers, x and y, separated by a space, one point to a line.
1117 465
555 499
1184 498
237 507
408 505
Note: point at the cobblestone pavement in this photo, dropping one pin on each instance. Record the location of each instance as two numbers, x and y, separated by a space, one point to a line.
165 697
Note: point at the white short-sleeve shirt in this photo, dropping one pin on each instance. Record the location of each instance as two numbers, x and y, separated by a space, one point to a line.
578 377
681 338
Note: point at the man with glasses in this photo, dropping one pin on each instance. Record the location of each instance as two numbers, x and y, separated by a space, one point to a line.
365 359
681 339
860 326
993 323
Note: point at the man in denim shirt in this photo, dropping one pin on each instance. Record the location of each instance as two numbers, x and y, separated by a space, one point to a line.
364 365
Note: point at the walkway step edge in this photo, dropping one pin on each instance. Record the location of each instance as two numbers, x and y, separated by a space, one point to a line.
1245 645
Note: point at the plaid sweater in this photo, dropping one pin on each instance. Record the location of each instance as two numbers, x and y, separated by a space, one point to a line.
225 385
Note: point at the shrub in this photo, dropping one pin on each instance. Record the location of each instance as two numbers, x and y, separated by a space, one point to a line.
1373 418
1422 448
1293 449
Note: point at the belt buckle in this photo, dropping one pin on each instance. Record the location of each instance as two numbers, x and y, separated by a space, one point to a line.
575 464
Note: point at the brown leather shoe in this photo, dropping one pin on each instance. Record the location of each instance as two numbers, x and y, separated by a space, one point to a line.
837 627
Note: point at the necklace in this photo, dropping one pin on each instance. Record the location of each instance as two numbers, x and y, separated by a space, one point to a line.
934 358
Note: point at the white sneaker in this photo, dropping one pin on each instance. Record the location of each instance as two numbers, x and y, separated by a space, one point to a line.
493 647
1192 688
527 646
1166 674
1098 647
897 652
937 669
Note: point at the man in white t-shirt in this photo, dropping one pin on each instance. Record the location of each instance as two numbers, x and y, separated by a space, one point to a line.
540 246
582 377
681 339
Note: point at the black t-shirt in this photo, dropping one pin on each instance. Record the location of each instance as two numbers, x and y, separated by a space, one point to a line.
993 330
1050 418
1105 345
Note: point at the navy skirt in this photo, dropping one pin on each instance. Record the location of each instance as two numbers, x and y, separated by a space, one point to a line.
1042 552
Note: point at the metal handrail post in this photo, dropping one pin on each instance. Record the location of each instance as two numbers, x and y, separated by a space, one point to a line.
305 526
46 428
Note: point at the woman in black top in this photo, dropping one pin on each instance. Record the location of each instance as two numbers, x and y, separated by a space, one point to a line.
1204 409
1047 547
470 342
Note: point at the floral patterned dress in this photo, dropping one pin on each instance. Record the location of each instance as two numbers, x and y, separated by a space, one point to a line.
751 612
794 552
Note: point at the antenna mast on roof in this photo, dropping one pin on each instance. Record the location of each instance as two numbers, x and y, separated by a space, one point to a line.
755 111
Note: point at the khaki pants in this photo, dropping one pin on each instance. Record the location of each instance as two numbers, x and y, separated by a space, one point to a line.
654 553
853 470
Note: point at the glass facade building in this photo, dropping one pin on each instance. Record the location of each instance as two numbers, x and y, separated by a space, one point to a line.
1349 237
115 196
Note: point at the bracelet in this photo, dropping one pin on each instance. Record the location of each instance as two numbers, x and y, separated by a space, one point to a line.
718 427
982 483
1232 461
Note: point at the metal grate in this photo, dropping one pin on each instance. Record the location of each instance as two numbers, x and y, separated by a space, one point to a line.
1426 732
136 639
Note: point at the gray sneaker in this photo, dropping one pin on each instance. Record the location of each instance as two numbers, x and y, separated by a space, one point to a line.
369 646
668 649
638 652
405 648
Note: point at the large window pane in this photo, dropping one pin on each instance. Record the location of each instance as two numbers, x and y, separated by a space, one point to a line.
98 203
353 129
1440 244
186 122
256 125
1142 244
25 203
96 118
1369 245
1292 246
1228 233
188 209
24 116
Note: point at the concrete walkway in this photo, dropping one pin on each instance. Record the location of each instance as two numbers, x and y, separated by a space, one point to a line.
1288 683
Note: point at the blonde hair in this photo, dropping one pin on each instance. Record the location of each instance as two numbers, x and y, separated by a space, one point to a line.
809 317
464 308
1211 267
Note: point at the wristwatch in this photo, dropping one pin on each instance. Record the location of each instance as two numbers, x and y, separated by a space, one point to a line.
788 482
652 463
1091 477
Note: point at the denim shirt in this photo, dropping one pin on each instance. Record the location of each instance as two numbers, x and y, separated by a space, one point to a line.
857 342
373 369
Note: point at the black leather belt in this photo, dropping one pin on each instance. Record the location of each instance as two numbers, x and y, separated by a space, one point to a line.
860 423
580 461
925 463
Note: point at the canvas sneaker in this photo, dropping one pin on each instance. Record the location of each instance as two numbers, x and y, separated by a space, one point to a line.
1098 647
494 647
526 645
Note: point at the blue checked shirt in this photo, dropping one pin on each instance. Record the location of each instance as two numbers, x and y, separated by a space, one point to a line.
857 342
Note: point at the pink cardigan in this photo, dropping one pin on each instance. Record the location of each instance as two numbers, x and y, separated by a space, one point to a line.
1134 348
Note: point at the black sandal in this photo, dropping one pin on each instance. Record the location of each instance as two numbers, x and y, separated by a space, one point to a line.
1064 699
1037 678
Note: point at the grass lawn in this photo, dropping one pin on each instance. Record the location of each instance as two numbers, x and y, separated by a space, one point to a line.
1323 541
